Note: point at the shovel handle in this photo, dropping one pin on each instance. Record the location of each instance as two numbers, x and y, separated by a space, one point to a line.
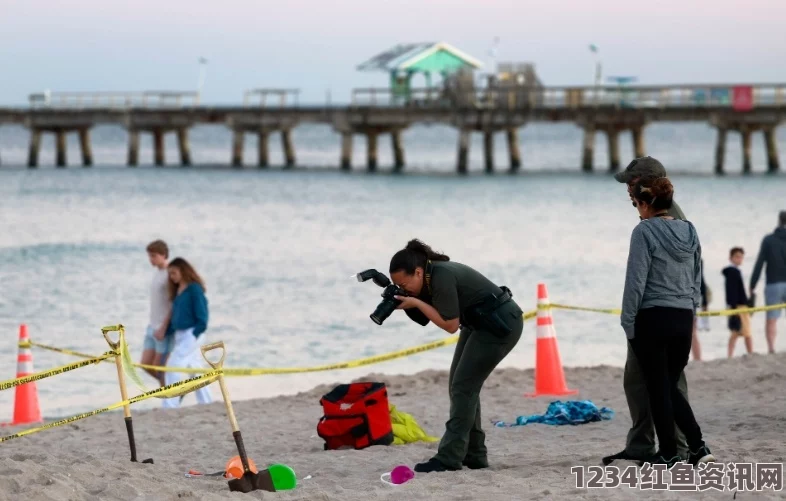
112 328
211 347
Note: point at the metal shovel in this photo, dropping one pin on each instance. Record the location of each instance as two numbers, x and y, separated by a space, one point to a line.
250 481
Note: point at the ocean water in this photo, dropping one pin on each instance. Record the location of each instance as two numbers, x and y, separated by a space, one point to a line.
277 248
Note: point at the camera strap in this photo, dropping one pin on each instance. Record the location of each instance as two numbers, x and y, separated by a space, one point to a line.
427 276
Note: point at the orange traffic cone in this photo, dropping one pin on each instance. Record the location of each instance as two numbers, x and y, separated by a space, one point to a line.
549 376
26 409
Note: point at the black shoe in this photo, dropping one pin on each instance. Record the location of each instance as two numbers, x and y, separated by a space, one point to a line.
622 455
476 464
703 455
433 465
661 459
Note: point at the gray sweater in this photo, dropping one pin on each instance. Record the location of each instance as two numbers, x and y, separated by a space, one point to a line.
664 269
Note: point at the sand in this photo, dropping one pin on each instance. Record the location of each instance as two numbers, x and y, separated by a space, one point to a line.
740 405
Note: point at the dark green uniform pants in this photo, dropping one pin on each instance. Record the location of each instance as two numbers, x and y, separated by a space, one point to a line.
477 354
641 437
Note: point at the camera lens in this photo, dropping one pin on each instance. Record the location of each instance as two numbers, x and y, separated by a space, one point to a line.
384 310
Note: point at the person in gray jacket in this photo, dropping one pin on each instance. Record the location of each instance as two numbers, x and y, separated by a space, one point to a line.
640 441
662 293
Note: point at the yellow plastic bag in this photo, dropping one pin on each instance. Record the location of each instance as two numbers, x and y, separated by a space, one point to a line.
406 430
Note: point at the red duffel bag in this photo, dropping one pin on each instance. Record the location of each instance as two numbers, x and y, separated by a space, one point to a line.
355 416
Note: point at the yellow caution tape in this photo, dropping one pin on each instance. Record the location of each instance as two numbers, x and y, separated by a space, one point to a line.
28 344
11 383
720 313
189 385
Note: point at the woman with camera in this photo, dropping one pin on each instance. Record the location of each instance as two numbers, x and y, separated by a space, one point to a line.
453 295
661 295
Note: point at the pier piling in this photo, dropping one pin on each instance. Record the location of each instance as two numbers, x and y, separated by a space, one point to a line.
398 150
637 134
184 147
746 150
371 150
35 147
158 147
289 149
589 149
488 151
771 147
614 149
262 145
237 148
85 146
720 150
346 151
513 150
463 151
60 148
133 148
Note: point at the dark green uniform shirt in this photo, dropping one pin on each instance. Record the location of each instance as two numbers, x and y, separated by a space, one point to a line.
455 286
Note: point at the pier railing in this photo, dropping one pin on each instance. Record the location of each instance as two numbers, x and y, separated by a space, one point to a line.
280 97
711 95
147 99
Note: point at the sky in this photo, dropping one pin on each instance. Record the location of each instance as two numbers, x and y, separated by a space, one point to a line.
316 45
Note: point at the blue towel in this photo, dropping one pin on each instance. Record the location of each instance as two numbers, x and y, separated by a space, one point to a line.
559 413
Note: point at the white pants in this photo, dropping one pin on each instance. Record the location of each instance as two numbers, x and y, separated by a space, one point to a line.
185 354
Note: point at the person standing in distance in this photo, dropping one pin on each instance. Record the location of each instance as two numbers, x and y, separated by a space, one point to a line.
640 442
773 254
157 343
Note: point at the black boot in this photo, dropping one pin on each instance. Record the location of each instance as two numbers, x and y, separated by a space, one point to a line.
433 465
476 463
624 456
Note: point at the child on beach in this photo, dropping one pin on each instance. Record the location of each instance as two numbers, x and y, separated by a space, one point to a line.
156 344
189 321
739 325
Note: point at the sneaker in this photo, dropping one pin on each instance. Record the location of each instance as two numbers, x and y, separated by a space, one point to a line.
433 465
703 455
661 459
622 455
476 464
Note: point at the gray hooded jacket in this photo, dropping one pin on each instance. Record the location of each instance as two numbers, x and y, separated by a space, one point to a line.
664 269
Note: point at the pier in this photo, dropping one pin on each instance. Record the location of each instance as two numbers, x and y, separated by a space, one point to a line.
617 112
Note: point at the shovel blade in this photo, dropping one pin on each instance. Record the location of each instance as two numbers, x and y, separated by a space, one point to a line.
251 481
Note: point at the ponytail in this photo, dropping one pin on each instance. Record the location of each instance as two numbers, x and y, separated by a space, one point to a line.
415 255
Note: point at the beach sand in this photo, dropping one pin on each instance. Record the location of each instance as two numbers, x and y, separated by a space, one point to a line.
739 403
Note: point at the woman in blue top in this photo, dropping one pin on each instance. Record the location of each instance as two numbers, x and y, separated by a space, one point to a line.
188 321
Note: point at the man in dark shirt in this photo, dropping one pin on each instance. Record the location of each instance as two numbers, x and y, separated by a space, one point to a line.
773 254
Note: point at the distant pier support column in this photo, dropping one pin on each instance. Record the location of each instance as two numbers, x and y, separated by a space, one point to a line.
346 151
35 147
398 150
84 144
237 148
184 147
638 141
746 150
158 147
371 151
588 151
614 149
262 145
289 149
513 150
60 148
720 150
463 151
771 147
488 151
133 148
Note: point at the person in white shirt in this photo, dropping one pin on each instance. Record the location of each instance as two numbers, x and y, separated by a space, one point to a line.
157 343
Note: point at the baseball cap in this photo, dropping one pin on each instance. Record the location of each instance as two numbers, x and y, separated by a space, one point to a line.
641 167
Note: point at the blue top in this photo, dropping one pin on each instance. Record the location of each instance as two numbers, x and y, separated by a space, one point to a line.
189 310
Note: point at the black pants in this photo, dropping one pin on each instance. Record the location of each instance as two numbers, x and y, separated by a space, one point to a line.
662 342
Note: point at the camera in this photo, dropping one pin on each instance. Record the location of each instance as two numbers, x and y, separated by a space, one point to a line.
390 291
